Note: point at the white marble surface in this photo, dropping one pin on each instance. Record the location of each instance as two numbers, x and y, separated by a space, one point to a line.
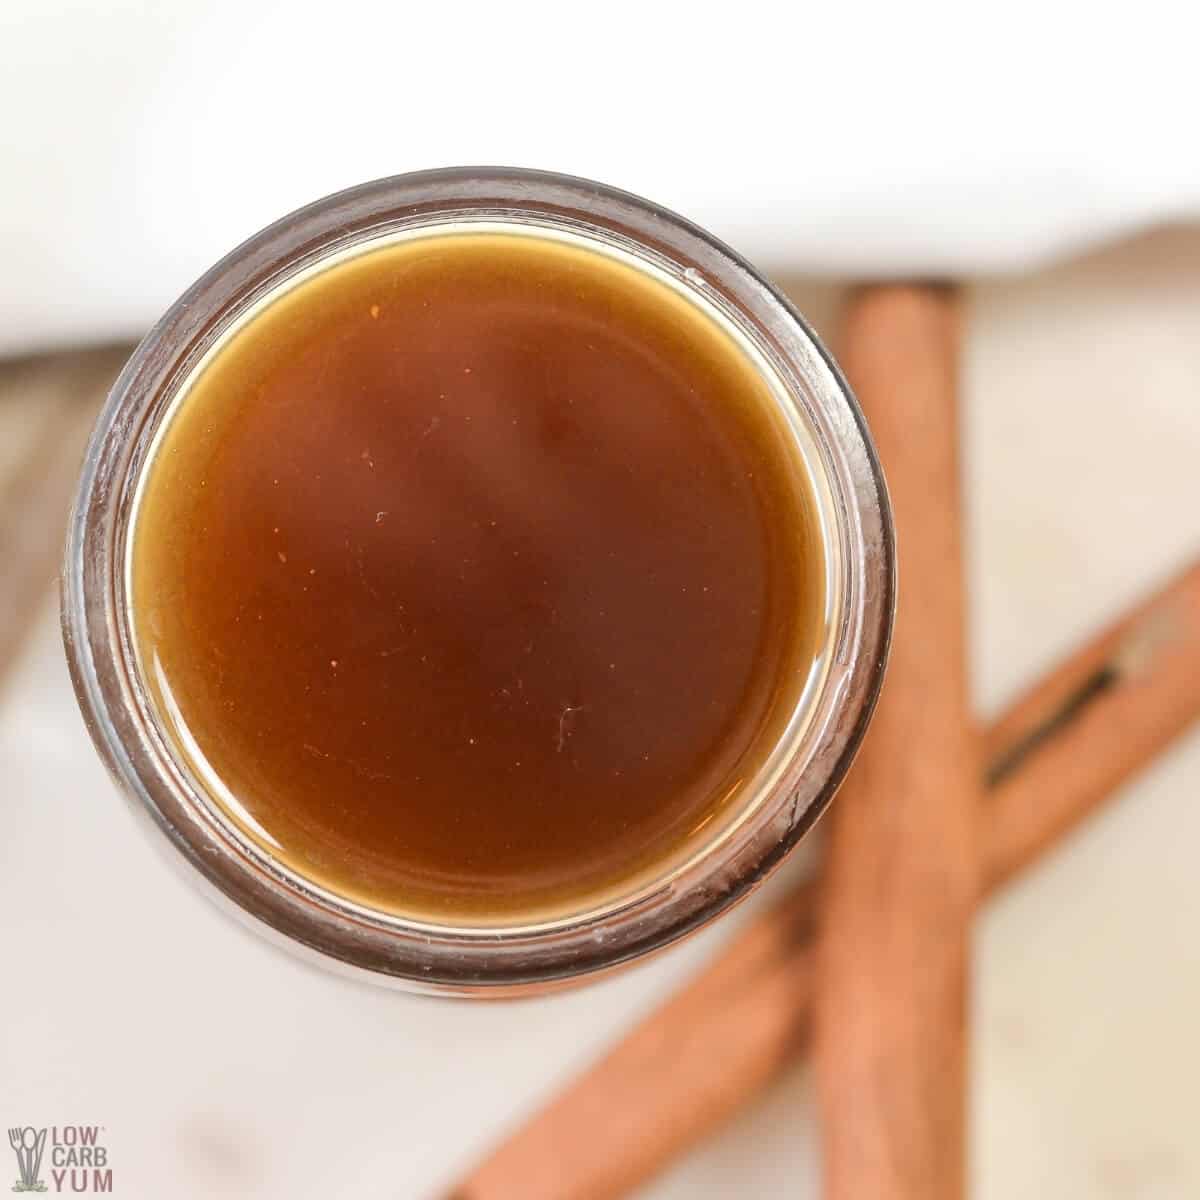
219 1067
852 138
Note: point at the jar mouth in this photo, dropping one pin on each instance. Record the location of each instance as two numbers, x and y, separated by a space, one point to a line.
226 810
791 785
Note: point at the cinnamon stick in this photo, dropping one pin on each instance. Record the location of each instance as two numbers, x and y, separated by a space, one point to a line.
901 864
708 1051
1081 733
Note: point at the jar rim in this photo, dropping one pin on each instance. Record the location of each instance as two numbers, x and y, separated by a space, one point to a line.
302 914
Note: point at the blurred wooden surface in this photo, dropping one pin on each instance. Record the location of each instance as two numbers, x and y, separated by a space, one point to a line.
47 407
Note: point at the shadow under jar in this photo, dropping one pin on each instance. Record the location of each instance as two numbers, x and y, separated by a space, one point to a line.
482 577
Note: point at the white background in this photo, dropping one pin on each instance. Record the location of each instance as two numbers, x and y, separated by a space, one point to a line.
142 139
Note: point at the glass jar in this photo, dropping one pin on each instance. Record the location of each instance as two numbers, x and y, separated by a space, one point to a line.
798 777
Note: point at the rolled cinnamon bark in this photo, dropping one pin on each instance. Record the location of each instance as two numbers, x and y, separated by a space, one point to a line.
901 868
1079 734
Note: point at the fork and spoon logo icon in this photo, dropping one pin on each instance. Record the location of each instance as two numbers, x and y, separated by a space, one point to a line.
28 1145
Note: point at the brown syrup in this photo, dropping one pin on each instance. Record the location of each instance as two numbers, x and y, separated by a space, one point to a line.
477 574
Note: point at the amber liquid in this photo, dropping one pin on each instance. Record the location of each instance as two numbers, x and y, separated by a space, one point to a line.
476 575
